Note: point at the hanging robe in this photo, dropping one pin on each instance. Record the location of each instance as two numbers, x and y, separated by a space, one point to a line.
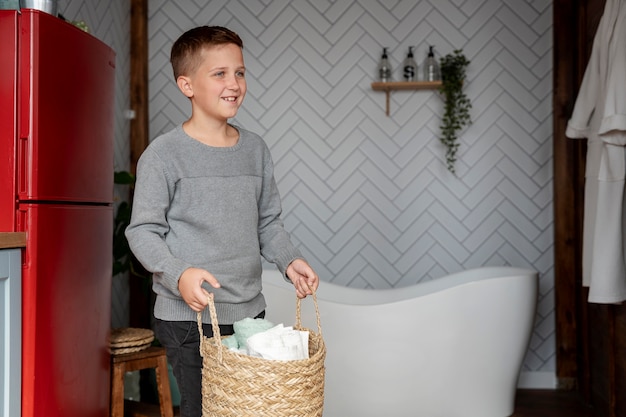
600 116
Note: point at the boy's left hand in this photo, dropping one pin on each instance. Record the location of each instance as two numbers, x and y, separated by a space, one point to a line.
304 278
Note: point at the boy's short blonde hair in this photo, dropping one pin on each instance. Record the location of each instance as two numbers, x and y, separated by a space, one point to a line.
186 51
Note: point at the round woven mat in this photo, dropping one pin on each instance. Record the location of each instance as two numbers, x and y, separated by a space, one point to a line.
121 351
130 337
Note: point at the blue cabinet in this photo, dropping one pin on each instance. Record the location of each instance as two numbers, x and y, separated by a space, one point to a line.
10 332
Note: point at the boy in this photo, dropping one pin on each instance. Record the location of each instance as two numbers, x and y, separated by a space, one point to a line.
206 208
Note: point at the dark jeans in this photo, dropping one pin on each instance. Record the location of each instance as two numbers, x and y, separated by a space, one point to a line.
181 340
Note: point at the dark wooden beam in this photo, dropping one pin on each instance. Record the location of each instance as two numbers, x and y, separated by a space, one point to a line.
140 309
139 131
568 188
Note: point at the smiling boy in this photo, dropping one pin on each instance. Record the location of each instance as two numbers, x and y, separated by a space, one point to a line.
206 209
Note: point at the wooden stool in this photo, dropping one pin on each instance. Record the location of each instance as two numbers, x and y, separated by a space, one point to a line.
152 357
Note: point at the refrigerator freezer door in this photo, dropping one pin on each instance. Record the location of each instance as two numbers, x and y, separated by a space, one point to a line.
66 285
8 118
65 120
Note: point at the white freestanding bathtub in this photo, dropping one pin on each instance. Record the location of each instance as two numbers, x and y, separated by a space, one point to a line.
450 347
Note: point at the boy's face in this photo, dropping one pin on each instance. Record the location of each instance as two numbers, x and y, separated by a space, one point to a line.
218 85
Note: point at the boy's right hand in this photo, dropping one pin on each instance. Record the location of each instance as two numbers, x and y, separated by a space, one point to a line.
190 287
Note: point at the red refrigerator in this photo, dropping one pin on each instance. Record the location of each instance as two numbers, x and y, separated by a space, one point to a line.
56 184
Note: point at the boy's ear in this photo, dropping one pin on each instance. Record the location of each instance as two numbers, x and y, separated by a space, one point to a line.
184 84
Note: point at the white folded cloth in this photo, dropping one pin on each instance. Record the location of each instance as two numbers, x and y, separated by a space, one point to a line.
279 343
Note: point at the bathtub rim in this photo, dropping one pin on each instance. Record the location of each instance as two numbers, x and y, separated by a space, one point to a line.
331 292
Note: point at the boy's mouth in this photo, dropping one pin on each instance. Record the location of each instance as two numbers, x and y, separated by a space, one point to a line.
230 98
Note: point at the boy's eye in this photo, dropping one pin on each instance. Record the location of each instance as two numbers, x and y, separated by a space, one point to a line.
240 74
219 74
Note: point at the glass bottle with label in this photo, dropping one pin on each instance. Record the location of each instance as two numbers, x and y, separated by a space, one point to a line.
384 68
431 67
409 67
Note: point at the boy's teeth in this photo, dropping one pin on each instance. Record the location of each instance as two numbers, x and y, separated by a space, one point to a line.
229 98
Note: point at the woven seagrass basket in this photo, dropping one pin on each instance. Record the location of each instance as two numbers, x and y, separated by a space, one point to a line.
239 385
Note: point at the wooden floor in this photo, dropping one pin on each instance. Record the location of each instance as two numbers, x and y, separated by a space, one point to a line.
529 403
550 403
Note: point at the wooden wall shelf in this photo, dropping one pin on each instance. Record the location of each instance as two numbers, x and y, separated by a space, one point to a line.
389 86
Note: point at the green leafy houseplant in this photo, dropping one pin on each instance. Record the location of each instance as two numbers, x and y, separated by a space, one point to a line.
456 104
123 259
121 250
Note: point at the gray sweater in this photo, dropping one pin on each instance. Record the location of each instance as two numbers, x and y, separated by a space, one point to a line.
213 208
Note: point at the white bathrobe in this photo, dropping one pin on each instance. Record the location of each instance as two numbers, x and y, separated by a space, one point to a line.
600 116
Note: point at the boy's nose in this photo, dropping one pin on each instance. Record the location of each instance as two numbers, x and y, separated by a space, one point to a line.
233 83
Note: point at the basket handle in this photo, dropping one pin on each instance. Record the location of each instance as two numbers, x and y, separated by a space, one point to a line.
216 328
317 313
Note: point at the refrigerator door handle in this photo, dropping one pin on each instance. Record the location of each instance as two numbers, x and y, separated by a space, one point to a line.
23 167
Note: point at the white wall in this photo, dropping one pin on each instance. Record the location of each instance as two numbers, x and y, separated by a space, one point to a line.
367 197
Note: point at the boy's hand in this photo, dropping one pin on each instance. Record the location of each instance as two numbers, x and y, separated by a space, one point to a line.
304 279
190 287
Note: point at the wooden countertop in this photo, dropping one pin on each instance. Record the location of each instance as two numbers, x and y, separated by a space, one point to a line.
12 240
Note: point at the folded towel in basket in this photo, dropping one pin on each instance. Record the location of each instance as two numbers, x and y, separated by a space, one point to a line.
279 343
248 327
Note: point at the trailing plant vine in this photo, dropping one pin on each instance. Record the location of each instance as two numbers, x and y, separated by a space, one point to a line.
456 104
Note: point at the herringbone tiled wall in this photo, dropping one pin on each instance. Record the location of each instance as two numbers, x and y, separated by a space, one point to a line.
367 197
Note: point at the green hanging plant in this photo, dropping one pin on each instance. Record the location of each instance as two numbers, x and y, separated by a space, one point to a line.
456 104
